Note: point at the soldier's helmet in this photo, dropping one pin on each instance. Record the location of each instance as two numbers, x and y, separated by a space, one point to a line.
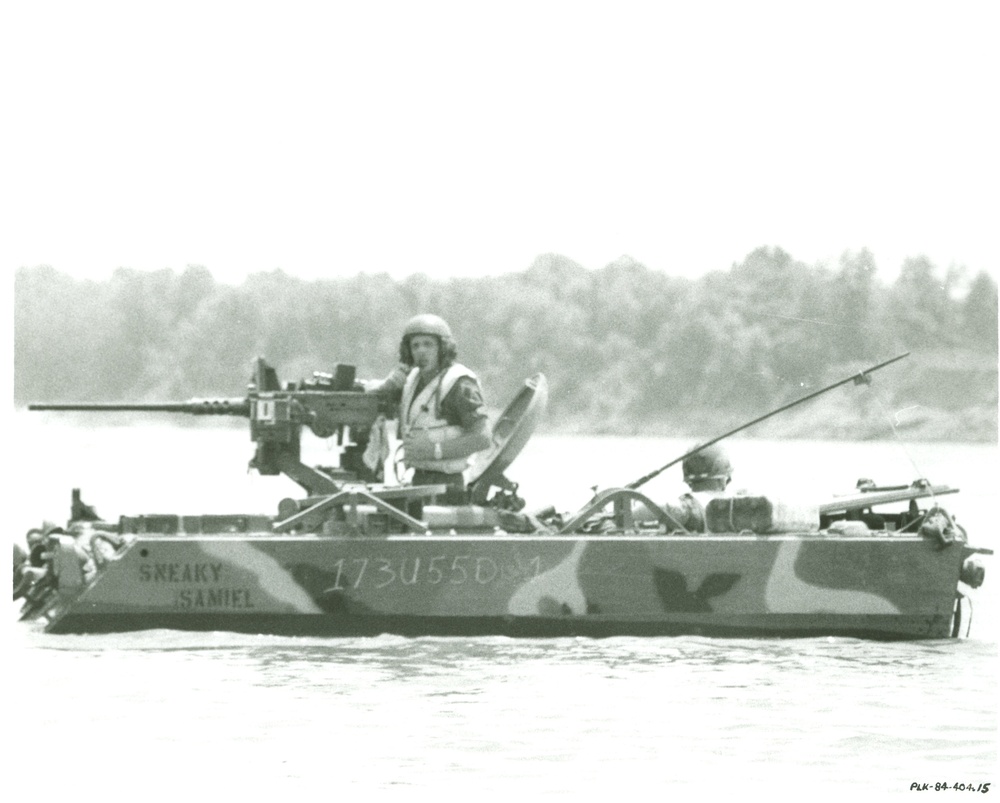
711 463
428 324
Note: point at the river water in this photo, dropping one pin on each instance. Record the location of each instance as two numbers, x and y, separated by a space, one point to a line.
211 716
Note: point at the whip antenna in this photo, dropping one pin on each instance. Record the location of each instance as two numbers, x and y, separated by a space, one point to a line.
860 378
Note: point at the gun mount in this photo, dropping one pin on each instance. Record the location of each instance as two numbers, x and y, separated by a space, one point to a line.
328 404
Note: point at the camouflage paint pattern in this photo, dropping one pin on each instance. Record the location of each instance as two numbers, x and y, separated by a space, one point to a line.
878 586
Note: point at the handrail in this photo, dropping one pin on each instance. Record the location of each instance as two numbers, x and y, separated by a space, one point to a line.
618 495
351 497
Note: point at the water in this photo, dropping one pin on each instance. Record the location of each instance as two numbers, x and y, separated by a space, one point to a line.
164 714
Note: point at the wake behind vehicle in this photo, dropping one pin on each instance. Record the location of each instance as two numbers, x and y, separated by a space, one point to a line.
358 556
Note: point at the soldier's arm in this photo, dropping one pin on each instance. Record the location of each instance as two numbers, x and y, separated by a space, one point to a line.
675 513
474 439
467 398
471 441
392 385
687 513
464 407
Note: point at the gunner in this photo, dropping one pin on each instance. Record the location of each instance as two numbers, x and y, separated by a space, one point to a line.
442 416
707 473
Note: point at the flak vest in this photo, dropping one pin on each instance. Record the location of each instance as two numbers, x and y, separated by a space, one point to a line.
424 413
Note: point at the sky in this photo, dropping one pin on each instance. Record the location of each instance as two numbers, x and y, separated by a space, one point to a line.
462 139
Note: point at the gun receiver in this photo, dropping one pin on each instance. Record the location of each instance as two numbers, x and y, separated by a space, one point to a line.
328 404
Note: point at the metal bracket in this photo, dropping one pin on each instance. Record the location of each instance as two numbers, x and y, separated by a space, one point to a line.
350 497
622 498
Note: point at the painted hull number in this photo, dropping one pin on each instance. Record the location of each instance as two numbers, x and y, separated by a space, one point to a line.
353 573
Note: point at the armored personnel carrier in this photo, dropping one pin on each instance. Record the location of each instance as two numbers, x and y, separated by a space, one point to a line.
354 555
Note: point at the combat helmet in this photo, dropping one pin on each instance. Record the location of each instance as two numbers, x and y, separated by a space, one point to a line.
428 324
710 463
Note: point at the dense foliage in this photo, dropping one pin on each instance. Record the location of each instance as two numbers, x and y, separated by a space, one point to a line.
625 348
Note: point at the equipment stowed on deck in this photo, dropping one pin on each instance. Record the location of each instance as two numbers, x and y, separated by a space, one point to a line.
859 506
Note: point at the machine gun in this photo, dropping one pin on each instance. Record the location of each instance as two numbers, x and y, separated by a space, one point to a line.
328 404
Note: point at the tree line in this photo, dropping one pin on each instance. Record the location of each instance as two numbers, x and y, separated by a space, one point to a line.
625 349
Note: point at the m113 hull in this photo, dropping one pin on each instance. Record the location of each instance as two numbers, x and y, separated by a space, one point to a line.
880 585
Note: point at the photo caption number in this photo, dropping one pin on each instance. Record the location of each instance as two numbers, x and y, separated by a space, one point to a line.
943 786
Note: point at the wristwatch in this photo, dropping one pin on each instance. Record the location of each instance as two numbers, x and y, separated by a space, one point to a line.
437 451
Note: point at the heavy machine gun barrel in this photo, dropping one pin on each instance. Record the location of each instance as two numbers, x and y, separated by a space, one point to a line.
193 407
328 405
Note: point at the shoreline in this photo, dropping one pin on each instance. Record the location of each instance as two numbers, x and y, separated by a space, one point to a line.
972 426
